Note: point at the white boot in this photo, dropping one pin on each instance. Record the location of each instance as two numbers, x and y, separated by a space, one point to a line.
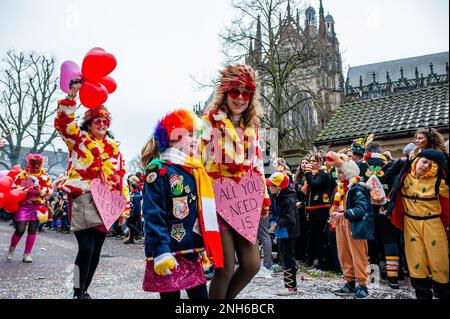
10 253
27 258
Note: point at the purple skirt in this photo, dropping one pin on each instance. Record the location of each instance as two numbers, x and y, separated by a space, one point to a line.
27 212
189 274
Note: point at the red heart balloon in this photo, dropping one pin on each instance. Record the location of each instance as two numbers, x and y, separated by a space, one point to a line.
92 95
5 184
11 207
17 195
14 171
97 64
109 83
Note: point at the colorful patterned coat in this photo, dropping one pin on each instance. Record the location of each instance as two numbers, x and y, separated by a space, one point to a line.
87 155
27 180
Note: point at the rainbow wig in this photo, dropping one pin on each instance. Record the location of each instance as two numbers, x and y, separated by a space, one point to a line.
179 119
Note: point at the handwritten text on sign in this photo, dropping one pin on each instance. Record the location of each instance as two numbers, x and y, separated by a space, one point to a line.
110 204
239 204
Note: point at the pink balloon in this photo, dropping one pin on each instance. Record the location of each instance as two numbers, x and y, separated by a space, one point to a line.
69 70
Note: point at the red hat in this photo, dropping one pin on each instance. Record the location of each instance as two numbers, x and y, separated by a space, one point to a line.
278 179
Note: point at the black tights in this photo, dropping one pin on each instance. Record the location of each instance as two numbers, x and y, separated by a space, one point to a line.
199 292
227 283
90 242
22 225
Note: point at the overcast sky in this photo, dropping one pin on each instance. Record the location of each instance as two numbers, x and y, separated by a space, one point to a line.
160 45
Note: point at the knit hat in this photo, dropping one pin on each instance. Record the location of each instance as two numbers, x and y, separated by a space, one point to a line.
179 119
409 148
102 111
278 179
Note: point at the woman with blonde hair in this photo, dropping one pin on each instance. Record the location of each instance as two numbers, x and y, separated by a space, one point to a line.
230 147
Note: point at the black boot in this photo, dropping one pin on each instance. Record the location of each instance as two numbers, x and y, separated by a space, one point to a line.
440 290
422 287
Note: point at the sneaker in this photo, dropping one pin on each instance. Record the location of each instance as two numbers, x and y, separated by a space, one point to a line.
361 292
264 273
287 291
346 290
27 258
276 269
85 295
10 253
393 282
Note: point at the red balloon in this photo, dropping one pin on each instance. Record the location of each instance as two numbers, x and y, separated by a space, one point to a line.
5 184
92 95
97 64
3 197
17 195
14 171
109 83
11 207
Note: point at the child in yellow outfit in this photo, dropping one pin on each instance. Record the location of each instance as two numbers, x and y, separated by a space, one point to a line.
421 210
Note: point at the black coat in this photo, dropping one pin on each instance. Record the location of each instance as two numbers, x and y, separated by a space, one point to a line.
285 214
318 189
359 212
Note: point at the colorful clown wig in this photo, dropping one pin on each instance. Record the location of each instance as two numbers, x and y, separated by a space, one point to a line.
168 127
238 76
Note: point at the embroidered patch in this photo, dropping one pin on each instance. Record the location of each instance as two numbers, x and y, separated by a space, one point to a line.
326 198
180 207
196 228
316 197
151 177
178 232
187 189
176 184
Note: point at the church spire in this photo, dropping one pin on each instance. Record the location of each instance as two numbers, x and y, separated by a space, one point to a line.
322 27
258 42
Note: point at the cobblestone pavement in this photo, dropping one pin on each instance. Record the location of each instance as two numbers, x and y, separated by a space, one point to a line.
120 272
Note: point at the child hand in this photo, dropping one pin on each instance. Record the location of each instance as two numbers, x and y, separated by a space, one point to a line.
205 260
164 264
272 228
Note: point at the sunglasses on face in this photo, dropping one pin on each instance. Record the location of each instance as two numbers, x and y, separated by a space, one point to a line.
99 121
235 93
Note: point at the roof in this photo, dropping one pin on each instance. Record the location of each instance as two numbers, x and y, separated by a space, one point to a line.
393 67
389 116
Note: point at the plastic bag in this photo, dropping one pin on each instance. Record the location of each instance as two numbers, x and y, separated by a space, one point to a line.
377 193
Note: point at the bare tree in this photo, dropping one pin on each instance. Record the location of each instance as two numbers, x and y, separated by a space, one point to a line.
268 36
134 165
27 86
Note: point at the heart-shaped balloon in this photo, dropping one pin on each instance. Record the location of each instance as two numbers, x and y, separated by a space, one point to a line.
109 83
97 64
5 184
92 95
69 70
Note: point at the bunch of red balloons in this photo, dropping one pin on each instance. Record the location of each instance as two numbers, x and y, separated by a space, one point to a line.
95 70
10 197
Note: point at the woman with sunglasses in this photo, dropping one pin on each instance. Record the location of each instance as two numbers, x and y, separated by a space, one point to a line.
230 148
93 154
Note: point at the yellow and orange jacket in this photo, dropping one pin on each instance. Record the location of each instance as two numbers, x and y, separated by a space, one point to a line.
88 155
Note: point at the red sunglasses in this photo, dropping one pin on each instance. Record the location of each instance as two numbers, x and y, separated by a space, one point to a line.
235 93
99 121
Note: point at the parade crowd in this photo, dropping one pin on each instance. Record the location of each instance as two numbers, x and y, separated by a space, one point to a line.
347 212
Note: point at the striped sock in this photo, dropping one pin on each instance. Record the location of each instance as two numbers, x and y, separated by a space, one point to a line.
392 263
